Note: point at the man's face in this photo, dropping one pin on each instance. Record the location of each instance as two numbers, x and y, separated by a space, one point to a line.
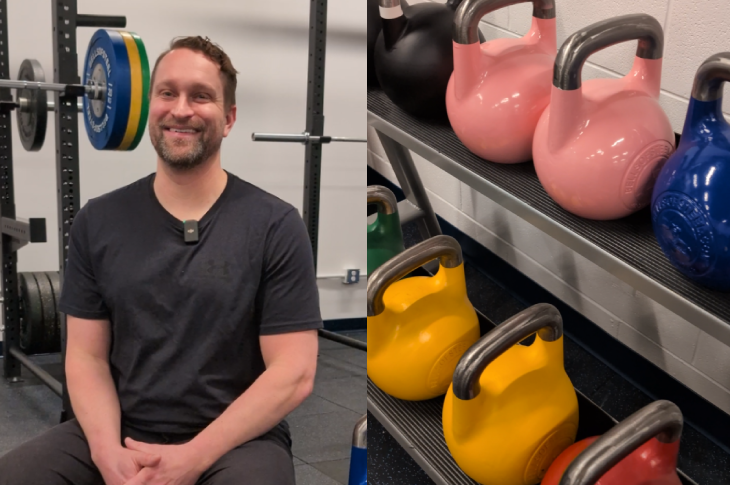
187 115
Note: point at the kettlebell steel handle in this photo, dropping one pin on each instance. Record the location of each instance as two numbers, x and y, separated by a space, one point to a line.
470 13
360 433
389 3
542 318
578 47
710 77
383 199
660 419
443 247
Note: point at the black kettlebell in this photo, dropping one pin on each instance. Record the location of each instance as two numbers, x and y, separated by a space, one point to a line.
374 26
414 56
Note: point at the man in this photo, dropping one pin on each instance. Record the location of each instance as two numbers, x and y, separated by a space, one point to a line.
182 358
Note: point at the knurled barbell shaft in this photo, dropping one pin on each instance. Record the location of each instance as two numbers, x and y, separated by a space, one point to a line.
52 106
95 91
303 138
25 107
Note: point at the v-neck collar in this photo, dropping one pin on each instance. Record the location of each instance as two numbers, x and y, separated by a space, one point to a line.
174 221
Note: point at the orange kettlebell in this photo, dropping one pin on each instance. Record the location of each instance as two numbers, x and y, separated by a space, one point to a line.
640 450
512 408
418 327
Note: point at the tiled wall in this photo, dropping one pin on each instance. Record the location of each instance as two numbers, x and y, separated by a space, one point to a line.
693 31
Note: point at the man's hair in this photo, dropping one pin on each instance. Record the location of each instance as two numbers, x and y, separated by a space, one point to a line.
213 52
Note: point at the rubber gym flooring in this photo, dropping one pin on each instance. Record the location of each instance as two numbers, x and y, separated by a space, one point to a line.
321 427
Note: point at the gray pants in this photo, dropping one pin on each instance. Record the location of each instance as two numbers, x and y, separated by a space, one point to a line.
61 456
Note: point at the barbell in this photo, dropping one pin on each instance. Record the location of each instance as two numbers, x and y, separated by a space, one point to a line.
115 89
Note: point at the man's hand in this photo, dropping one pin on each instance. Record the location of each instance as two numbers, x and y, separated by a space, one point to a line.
178 464
118 465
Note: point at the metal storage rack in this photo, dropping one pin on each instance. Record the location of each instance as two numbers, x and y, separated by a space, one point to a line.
624 248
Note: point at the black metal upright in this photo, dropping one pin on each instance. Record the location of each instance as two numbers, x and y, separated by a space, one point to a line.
315 118
11 366
66 69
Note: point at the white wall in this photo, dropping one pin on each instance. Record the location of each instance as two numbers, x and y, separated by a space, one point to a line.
693 31
268 44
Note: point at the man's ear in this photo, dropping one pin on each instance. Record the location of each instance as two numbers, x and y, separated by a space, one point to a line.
230 120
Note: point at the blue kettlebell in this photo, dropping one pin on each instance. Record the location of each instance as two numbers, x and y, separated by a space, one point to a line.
690 205
359 456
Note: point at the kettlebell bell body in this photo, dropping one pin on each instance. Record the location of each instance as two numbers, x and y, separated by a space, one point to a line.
691 201
385 238
413 55
512 409
628 455
419 327
374 26
499 89
599 146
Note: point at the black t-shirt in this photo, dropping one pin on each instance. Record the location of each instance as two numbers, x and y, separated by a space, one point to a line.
186 318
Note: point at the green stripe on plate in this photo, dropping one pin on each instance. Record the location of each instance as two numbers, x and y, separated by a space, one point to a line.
145 91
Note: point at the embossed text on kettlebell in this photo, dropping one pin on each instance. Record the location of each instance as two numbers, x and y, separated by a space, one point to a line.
640 176
686 229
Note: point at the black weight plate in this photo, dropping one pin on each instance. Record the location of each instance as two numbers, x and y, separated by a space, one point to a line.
50 338
31 312
55 280
32 114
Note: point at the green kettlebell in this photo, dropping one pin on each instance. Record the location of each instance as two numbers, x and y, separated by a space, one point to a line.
385 238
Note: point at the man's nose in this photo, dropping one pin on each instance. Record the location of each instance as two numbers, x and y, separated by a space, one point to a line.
182 108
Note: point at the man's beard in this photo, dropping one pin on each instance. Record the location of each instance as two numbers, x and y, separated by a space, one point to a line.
201 149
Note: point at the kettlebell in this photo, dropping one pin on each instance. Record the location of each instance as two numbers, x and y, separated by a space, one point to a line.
385 238
374 26
599 146
511 408
413 55
419 327
640 450
691 204
500 88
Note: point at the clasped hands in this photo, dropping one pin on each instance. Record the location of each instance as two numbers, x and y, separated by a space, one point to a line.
147 464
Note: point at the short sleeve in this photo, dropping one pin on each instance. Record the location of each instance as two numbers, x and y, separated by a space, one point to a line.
80 294
288 299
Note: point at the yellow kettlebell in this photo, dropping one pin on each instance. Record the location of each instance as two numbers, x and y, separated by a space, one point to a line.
512 409
419 327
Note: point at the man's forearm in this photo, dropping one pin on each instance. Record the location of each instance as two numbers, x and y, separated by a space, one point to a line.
276 393
95 401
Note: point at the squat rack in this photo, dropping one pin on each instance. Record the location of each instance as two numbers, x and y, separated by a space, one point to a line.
16 234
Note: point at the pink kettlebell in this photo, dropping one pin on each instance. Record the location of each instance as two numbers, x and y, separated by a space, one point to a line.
599 147
499 89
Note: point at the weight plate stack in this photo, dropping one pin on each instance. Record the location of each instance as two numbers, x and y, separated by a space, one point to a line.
31 312
32 115
145 89
107 63
39 328
137 100
49 330
55 279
